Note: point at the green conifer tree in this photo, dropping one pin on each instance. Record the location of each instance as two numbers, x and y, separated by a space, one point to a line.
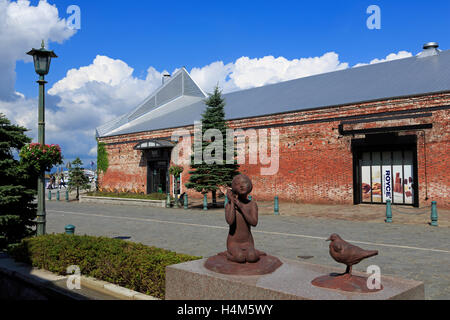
205 177
77 179
18 186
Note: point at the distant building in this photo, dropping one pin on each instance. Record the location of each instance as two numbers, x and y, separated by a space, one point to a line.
360 135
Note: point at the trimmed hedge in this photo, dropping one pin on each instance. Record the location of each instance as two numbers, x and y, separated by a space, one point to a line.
127 264
152 196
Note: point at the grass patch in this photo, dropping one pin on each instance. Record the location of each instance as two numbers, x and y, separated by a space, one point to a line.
126 195
127 264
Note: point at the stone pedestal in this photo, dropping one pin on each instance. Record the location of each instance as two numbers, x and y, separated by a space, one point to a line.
291 281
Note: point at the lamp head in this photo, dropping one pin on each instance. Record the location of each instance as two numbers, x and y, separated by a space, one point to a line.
42 58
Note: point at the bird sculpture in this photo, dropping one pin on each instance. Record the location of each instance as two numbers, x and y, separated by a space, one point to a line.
348 254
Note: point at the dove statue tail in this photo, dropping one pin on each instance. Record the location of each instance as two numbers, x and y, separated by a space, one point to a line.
370 253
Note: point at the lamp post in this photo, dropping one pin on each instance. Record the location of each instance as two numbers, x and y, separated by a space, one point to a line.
42 59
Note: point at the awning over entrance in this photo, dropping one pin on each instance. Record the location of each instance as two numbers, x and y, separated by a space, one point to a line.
154 144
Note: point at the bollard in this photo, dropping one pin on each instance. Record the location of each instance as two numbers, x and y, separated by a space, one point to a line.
168 201
434 214
67 195
57 195
70 229
388 211
205 202
226 201
276 210
185 201
49 195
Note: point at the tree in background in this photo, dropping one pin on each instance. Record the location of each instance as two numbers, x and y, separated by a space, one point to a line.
77 179
205 177
18 186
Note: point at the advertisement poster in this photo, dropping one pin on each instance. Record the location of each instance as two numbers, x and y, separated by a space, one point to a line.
408 180
376 177
387 176
366 191
387 184
398 177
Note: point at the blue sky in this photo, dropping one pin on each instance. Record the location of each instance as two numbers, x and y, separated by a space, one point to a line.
170 34
166 35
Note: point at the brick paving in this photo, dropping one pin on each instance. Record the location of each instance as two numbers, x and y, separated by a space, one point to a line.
411 251
363 212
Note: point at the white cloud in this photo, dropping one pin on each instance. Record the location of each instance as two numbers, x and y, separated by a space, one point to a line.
86 98
209 76
23 26
247 72
94 94
393 56
389 57
100 92
21 111
93 152
250 73
24 112
103 70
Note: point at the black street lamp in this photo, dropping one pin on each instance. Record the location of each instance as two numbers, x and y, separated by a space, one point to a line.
42 59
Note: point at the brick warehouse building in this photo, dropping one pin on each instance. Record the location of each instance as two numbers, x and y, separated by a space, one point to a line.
359 135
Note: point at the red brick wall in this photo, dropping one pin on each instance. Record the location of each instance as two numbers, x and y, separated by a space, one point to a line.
437 160
316 162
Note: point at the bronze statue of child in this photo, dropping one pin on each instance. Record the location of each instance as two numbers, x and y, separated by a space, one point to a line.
241 214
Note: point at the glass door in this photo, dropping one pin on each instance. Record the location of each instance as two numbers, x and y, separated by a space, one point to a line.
157 177
387 175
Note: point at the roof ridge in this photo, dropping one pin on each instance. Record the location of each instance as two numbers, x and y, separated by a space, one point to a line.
135 113
404 77
153 93
335 71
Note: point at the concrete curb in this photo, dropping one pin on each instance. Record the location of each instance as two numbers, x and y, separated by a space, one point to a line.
114 290
123 201
45 278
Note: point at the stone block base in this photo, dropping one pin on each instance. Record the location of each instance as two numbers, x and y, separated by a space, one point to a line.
292 281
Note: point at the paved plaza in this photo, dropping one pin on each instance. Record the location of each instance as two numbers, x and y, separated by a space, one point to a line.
411 251
363 212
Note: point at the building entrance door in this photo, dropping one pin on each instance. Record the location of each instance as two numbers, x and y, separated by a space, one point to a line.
157 177
387 175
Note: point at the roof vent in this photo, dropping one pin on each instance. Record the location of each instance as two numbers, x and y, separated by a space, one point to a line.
429 49
166 77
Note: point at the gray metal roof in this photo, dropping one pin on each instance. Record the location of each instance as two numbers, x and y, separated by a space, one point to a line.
180 88
174 108
404 77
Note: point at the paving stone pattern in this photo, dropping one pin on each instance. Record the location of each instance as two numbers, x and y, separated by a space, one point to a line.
406 251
